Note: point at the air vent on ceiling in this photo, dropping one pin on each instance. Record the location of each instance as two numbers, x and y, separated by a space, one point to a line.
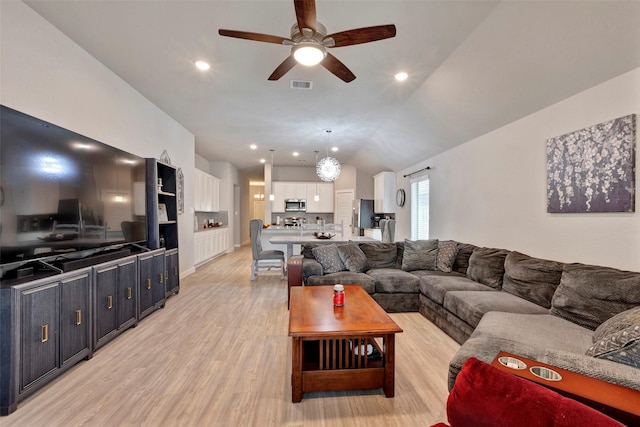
300 84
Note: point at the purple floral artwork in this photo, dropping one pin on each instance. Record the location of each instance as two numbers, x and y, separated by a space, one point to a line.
593 169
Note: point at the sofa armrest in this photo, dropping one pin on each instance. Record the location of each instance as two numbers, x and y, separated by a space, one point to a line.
311 267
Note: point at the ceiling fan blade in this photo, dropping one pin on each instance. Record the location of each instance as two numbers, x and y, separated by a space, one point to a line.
306 14
253 36
332 64
283 68
362 35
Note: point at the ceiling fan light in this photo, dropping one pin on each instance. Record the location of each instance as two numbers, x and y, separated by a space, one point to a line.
309 53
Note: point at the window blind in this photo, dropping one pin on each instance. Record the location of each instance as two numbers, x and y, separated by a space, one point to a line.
420 209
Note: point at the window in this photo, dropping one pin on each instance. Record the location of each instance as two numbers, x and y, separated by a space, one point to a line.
420 209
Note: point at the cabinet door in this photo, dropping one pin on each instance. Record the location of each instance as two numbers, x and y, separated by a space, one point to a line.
74 316
39 332
215 194
278 189
106 300
127 278
158 273
326 194
313 206
172 274
145 284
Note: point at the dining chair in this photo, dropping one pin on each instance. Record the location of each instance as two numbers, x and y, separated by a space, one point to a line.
335 228
263 259
310 228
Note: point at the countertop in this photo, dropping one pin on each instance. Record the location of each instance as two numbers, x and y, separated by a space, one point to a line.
200 230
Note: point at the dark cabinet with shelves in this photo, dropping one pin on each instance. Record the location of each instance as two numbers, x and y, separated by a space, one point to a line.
115 302
162 216
151 282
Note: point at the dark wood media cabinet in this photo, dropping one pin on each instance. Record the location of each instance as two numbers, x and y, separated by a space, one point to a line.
49 322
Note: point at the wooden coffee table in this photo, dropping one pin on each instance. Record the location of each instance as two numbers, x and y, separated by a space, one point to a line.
325 352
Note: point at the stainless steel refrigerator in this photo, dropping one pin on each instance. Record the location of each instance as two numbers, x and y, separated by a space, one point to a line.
362 214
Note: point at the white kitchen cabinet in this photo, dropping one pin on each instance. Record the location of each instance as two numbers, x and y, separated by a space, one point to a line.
207 192
384 188
325 193
210 243
278 190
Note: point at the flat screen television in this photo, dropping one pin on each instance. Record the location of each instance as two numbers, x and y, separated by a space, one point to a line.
63 195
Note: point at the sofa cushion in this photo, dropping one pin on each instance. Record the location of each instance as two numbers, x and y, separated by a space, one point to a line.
530 278
436 287
588 294
328 256
486 266
391 281
621 346
353 258
447 251
461 263
380 255
617 323
420 255
470 306
345 278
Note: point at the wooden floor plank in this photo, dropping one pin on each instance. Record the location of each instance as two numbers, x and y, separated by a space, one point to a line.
218 354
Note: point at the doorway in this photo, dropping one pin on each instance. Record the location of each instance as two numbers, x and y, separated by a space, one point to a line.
344 209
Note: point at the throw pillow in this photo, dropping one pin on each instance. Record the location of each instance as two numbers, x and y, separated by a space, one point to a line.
447 252
461 263
531 278
589 294
380 255
621 346
329 258
353 258
420 255
486 266
617 323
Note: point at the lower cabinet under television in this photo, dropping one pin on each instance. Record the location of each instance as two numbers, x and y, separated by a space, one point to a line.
49 324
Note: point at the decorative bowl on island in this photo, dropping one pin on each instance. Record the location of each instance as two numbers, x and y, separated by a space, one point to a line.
323 235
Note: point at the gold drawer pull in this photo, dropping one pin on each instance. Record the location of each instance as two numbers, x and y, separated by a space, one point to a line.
44 334
78 317
129 293
166 275
110 302
148 283
160 278
175 271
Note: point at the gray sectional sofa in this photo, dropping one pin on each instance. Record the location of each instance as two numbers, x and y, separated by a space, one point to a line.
578 317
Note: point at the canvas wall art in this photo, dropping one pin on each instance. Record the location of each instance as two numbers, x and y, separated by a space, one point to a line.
593 169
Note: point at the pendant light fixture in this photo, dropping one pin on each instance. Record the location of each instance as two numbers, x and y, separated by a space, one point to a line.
316 198
272 196
328 168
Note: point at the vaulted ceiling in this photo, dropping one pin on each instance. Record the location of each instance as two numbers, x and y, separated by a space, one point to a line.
473 66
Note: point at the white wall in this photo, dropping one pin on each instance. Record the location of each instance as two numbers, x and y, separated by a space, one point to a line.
229 177
491 191
45 74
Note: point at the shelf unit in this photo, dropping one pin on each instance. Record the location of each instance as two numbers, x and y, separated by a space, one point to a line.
162 218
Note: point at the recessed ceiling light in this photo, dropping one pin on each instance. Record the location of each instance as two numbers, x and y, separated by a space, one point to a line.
334 149
202 65
401 76
296 154
263 161
253 146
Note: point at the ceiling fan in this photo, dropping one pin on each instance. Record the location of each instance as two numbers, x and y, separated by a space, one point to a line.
309 41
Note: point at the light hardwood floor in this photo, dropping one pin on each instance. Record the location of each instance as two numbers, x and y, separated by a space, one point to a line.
218 354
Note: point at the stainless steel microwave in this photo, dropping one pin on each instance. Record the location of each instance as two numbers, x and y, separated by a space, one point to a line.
295 205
